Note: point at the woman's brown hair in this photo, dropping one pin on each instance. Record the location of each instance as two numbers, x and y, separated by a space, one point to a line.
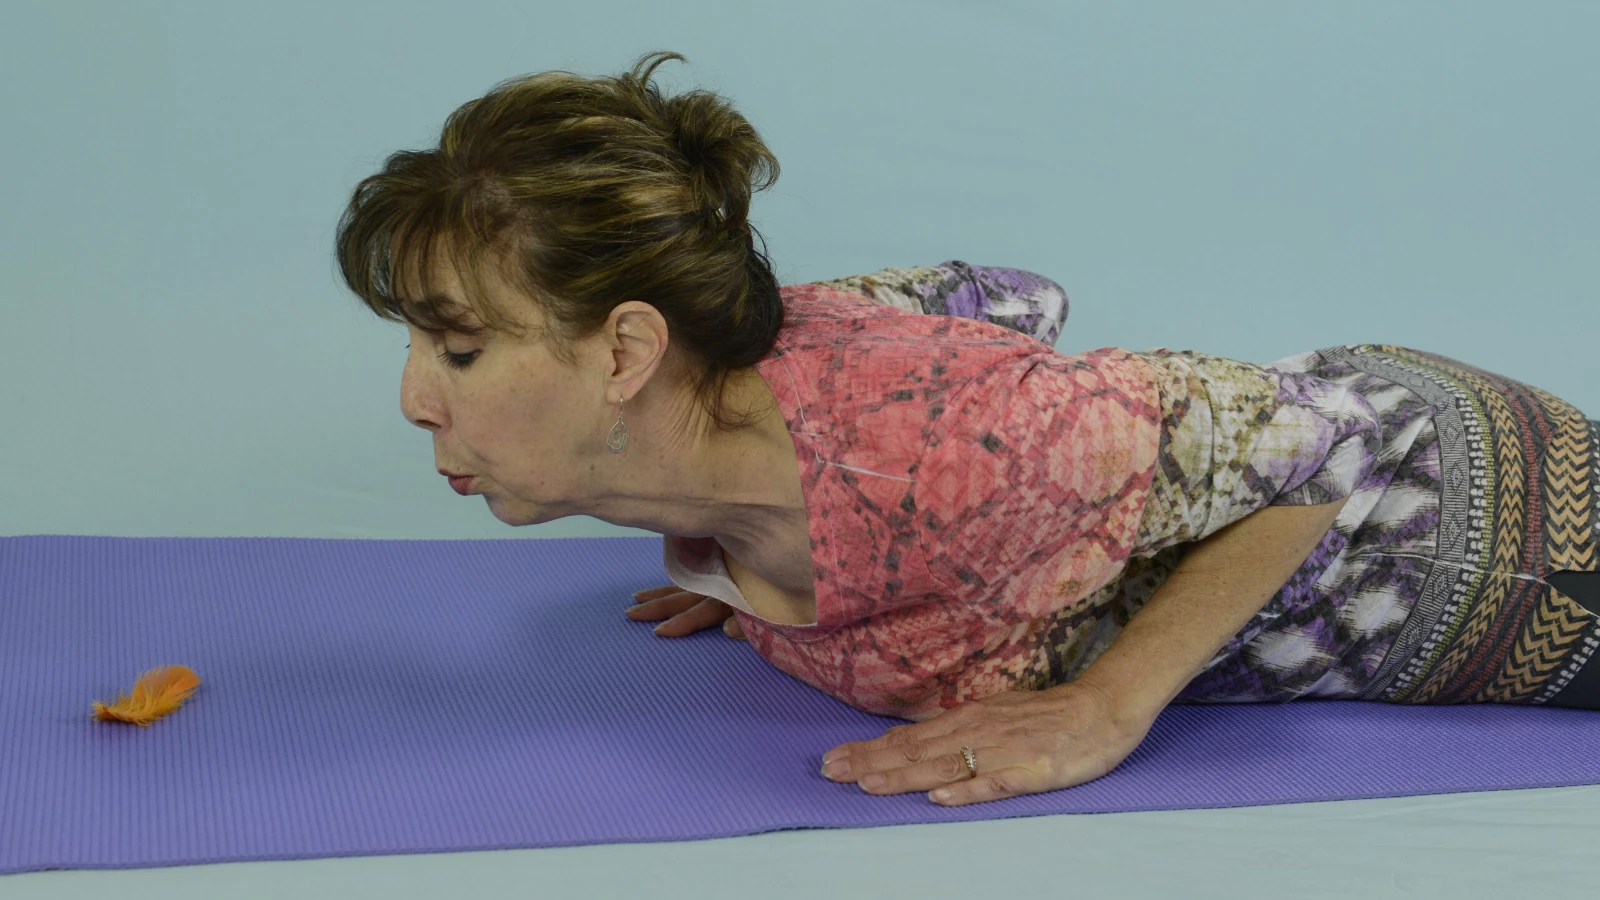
582 193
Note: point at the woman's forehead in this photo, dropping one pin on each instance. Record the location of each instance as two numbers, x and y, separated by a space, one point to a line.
436 293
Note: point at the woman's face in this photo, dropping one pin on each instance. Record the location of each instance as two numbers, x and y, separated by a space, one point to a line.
505 411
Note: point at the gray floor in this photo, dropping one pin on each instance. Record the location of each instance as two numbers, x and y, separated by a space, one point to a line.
1490 844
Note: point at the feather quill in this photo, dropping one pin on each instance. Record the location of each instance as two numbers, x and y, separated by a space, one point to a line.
157 692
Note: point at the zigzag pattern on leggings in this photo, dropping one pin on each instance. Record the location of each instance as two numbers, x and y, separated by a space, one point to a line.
1513 638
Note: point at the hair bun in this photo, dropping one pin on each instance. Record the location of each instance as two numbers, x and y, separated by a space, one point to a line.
724 155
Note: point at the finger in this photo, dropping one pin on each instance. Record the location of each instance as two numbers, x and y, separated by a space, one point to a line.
652 593
663 607
905 736
732 628
998 785
901 747
945 768
708 612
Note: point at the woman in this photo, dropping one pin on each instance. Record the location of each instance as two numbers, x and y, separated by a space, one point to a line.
946 520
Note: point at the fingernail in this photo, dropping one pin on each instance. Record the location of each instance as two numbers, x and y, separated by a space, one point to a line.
941 795
836 769
658 628
873 782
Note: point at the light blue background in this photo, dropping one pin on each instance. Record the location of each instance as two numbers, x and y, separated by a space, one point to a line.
1249 179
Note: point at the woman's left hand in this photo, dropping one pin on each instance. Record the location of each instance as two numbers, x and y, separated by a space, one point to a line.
1025 742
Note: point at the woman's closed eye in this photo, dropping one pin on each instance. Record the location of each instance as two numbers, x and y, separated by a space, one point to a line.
456 360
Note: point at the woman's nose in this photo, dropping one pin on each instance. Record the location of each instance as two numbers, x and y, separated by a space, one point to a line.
416 401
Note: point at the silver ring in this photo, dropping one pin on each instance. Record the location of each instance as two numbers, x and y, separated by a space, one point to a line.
972 761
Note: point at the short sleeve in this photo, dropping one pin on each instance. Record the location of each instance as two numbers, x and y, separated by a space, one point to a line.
1030 491
1237 437
1011 298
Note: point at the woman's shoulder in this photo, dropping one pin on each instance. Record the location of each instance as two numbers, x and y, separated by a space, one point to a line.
838 339
1016 299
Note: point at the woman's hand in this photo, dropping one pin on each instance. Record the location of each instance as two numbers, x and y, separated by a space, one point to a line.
1025 742
689 612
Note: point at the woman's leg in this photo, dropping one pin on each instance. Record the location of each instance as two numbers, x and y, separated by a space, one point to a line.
1583 691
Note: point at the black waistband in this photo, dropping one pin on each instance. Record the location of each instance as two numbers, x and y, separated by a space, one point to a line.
1583 691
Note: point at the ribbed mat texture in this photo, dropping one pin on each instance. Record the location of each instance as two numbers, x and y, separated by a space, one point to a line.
378 697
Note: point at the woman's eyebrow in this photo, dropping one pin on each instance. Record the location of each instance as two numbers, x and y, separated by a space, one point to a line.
438 307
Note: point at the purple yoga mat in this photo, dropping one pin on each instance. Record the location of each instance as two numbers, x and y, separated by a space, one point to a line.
379 697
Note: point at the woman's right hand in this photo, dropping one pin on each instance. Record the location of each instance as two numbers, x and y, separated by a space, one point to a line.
686 612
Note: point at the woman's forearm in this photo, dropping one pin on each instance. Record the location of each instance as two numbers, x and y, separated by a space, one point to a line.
1218 585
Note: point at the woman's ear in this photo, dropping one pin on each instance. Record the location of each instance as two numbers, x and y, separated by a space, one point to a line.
636 335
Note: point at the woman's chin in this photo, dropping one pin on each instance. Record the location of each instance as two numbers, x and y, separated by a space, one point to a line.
517 513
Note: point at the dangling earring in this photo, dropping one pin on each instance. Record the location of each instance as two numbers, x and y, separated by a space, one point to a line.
617 440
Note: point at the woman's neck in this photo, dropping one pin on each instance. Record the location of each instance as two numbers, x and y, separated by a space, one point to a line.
741 487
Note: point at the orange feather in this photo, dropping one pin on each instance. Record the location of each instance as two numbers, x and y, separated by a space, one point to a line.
157 692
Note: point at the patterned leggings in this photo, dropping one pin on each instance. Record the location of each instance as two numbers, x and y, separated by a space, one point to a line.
1583 691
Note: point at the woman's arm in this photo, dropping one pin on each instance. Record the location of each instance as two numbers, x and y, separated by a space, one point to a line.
1042 740
1219 584
1033 741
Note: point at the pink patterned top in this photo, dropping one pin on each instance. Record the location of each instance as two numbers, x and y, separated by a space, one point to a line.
922 439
